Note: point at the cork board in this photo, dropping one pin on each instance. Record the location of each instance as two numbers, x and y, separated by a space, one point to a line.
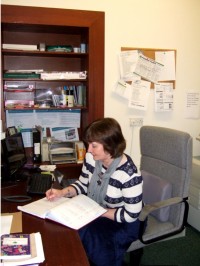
150 53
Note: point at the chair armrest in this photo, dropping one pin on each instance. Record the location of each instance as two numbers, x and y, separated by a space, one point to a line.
148 208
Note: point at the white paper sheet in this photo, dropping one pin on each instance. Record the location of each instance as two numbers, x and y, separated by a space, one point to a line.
166 58
148 68
127 63
192 104
6 222
140 94
163 97
123 89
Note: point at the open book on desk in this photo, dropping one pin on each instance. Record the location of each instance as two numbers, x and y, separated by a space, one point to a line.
72 212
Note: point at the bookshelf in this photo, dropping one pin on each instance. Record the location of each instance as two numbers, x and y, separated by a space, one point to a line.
54 27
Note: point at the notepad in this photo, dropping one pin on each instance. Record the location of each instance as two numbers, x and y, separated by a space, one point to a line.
72 212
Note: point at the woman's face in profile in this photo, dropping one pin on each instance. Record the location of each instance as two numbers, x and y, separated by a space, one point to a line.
98 152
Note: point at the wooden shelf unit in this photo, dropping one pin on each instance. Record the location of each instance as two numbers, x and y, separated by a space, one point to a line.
54 26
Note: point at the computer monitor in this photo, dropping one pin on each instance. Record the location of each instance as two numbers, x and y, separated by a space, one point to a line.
13 157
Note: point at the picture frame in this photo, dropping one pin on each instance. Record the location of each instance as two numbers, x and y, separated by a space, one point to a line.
11 131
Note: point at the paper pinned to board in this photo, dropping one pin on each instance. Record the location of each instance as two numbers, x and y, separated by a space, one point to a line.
123 89
140 95
167 59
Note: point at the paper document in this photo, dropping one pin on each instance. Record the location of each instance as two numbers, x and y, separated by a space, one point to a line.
127 63
192 104
123 89
11 223
163 97
72 212
140 94
148 68
167 59
6 222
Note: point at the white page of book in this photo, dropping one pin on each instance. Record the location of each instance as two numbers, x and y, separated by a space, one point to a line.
74 212
77 212
40 207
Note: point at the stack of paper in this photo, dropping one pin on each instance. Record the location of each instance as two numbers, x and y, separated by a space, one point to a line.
63 75
23 47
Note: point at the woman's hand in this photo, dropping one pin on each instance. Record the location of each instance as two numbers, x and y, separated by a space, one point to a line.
110 214
52 194
69 192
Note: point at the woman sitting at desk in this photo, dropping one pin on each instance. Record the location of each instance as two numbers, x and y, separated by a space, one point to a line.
109 177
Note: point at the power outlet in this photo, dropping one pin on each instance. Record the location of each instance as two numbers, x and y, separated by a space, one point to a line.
136 121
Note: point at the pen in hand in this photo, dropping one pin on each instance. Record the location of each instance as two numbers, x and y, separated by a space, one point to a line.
51 191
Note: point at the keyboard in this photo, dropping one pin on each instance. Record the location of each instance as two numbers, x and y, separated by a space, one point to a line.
39 183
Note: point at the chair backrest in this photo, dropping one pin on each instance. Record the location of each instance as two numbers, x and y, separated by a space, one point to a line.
166 162
167 154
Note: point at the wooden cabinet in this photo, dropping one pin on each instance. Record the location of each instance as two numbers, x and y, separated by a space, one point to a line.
52 26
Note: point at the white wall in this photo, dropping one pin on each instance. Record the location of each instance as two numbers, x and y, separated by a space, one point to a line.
166 24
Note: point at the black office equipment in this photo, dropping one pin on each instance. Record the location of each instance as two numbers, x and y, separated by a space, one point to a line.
13 157
65 182
36 145
39 183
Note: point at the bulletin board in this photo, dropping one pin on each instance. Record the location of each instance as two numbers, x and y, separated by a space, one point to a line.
150 52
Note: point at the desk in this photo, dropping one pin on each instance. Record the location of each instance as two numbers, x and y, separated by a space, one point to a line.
62 245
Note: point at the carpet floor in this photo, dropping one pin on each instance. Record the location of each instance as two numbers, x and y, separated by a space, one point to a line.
184 251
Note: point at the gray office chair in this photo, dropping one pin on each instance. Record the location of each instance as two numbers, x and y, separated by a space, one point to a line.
166 162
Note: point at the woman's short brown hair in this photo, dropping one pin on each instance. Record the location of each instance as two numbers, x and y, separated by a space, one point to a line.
106 131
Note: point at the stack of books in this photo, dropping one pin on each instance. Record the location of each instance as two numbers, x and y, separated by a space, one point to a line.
21 249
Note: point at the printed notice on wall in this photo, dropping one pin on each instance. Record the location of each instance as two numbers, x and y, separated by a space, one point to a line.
163 97
192 104
127 63
140 95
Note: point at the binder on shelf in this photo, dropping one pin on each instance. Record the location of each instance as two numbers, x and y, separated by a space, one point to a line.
36 145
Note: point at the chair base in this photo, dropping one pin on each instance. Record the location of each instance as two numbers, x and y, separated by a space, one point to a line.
135 257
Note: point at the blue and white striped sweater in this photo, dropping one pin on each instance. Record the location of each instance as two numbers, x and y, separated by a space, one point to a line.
124 190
